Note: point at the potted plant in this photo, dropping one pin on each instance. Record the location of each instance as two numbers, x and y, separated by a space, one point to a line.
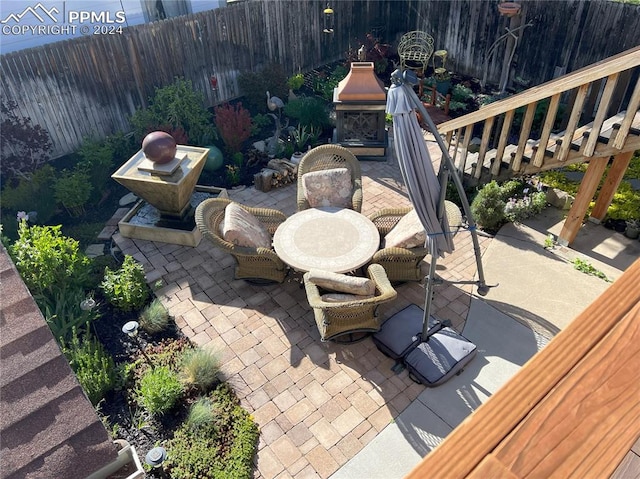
443 80
633 228
302 136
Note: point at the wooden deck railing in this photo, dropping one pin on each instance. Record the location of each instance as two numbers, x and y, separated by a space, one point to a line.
601 120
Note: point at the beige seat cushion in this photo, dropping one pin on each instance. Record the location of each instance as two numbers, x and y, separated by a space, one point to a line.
244 229
408 233
344 298
342 283
328 188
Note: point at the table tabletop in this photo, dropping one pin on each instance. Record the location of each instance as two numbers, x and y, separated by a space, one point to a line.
331 239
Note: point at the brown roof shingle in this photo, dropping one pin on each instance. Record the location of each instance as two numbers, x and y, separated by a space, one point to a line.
48 427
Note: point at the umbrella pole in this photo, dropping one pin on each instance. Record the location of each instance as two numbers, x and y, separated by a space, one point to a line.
433 251
446 168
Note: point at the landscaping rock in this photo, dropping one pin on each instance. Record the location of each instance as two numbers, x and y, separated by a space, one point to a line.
95 250
560 199
128 199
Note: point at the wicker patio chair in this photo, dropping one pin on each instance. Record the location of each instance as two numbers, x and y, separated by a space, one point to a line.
415 48
326 157
350 320
258 265
402 264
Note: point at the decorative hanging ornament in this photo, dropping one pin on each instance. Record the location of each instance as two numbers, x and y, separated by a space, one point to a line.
328 19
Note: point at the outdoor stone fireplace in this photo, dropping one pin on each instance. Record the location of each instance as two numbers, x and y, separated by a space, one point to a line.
360 101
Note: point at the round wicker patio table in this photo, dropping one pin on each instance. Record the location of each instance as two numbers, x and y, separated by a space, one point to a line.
330 239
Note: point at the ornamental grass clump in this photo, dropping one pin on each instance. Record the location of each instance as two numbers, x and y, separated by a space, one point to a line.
200 368
202 415
160 389
155 317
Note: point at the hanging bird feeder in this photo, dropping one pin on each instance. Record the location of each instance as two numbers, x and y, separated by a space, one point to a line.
328 19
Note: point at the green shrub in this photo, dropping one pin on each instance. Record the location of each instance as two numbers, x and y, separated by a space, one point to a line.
176 107
159 390
48 261
200 368
97 158
155 317
199 453
518 209
126 287
32 193
324 86
296 81
93 367
488 207
73 190
309 111
202 415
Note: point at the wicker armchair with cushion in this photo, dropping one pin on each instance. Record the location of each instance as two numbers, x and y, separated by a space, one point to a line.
331 186
403 263
350 314
255 262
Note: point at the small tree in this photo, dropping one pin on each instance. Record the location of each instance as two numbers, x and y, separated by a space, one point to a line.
234 125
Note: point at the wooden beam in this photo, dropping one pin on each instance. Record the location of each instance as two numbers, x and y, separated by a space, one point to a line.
476 437
587 189
611 183
587 423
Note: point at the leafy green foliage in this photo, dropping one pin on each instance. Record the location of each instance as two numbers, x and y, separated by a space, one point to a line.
93 367
73 190
155 317
159 390
97 158
296 81
309 111
64 312
234 125
304 135
488 207
179 107
198 453
24 147
324 86
625 204
33 192
587 268
48 261
126 287
200 368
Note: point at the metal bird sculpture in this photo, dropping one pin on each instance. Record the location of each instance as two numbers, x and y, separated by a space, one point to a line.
274 103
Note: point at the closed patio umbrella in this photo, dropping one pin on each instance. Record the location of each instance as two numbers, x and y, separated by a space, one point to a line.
419 176
426 189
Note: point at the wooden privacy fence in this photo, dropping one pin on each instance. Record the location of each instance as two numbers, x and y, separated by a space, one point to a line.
89 87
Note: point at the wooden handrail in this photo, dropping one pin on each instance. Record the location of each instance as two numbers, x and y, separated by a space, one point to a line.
620 62
573 410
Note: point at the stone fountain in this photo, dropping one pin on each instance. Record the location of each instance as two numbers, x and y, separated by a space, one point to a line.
164 175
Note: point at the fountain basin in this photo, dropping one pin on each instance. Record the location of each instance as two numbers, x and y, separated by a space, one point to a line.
168 186
146 222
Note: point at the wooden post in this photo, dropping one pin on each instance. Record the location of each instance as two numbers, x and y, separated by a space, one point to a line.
585 193
611 183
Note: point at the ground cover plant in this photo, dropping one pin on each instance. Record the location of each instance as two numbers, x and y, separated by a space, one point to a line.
142 386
